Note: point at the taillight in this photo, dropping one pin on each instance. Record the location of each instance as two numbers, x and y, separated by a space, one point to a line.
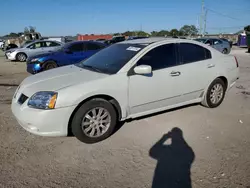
237 64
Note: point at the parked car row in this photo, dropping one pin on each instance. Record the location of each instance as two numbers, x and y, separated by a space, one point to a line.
42 55
89 98
70 53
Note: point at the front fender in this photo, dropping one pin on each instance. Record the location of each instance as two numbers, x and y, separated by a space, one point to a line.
114 86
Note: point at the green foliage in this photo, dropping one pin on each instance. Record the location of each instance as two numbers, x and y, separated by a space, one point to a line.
187 30
174 32
32 29
247 28
142 34
26 30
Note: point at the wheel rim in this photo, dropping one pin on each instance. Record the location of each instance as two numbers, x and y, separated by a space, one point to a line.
216 93
96 122
50 66
21 57
224 51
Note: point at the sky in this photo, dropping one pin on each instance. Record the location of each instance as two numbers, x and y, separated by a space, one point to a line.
71 17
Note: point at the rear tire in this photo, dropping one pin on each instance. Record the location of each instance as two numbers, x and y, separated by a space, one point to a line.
21 57
89 127
224 51
215 94
50 65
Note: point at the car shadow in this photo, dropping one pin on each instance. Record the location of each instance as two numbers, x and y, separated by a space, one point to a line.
174 161
121 123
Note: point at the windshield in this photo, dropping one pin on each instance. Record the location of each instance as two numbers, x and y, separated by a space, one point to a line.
111 59
201 40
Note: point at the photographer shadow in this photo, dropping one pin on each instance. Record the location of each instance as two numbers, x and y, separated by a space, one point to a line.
173 161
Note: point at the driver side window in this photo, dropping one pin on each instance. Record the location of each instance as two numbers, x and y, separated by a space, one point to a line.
160 57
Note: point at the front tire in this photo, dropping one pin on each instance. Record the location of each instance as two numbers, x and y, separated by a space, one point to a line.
50 65
94 121
215 94
21 57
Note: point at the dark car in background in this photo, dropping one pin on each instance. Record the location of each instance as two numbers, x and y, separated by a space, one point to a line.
136 37
116 39
69 53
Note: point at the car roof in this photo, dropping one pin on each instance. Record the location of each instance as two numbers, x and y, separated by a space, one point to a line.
150 40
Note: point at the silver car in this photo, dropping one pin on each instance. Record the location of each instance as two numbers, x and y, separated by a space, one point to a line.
33 48
218 44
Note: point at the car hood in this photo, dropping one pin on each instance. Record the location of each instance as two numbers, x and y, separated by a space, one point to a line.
55 79
13 49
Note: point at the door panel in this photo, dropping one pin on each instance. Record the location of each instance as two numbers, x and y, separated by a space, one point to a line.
77 53
196 70
217 44
155 91
160 89
35 49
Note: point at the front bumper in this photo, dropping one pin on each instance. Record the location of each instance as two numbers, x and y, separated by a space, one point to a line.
34 68
10 56
42 122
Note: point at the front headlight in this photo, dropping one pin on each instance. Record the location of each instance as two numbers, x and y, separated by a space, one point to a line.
43 100
34 60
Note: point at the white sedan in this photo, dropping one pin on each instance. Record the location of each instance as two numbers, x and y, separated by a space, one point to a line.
125 80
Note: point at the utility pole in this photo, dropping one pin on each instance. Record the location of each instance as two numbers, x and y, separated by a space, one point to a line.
202 17
205 22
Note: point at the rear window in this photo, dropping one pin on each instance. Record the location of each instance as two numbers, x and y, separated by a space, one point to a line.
192 53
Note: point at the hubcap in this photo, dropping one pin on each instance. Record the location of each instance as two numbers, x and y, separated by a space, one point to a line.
96 122
21 57
216 93
50 66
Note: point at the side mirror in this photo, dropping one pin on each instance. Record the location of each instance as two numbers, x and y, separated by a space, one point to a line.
143 69
32 47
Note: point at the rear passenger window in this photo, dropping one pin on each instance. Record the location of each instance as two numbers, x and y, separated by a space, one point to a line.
77 47
191 53
92 46
160 57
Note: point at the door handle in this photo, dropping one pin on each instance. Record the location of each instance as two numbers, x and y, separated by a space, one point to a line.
210 65
175 73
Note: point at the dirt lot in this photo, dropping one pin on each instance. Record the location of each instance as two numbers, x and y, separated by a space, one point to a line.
214 150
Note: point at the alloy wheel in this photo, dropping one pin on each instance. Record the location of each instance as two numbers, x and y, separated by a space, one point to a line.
96 122
216 93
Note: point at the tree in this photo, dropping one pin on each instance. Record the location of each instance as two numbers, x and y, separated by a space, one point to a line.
174 32
163 33
129 33
32 29
20 33
188 30
154 33
26 30
247 28
142 34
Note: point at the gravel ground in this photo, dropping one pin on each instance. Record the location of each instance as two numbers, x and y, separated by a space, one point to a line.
213 151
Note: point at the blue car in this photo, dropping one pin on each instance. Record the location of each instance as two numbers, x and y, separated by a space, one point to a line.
70 53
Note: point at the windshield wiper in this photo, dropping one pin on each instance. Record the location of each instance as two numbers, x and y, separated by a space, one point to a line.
92 68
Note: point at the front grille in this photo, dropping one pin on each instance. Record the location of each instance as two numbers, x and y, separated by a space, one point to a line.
22 99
